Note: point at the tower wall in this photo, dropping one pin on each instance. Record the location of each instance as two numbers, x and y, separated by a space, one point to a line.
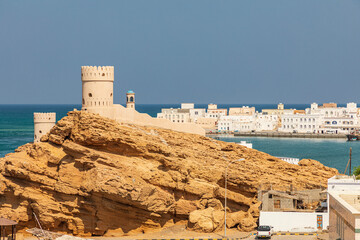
97 86
43 122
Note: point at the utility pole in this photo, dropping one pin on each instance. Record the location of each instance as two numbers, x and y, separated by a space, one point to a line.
350 162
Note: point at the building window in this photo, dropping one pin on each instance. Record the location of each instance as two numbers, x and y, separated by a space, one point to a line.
277 204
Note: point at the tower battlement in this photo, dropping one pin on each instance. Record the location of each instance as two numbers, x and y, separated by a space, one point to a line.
101 73
43 122
44 117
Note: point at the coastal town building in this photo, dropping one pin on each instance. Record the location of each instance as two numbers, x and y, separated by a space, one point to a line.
279 111
43 122
236 123
300 123
245 110
186 114
324 119
214 112
327 118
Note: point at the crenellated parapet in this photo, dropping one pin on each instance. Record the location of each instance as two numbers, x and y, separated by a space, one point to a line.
101 73
43 122
45 117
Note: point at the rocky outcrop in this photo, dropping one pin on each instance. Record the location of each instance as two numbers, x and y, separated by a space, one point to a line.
93 176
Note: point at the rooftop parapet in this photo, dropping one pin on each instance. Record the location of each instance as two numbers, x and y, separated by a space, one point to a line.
101 73
45 117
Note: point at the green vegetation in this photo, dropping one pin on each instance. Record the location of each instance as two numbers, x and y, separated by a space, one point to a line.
357 172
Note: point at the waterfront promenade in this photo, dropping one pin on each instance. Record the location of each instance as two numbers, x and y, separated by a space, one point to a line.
280 134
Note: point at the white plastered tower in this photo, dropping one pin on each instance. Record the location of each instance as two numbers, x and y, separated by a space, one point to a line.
130 99
97 86
43 122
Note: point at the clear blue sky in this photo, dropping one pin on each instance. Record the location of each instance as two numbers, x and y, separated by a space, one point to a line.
296 51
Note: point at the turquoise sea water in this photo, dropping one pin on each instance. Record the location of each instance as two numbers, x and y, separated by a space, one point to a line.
16 129
330 152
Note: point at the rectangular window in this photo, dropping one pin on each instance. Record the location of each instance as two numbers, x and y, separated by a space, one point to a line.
277 204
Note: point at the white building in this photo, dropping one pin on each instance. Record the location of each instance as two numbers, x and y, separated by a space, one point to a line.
248 123
327 118
344 208
300 123
266 122
214 112
242 123
186 114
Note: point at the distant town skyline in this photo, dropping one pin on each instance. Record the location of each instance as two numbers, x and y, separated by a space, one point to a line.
224 52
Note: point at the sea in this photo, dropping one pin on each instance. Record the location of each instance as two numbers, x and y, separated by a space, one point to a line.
17 127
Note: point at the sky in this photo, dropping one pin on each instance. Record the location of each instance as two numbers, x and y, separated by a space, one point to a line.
203 51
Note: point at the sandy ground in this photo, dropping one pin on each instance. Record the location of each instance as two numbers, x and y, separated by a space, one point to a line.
180 232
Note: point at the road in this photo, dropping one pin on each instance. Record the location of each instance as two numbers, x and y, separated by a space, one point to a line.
289 237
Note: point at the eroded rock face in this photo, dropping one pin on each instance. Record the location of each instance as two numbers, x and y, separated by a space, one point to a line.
94 176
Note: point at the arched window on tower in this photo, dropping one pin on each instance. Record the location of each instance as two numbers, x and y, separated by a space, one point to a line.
131 99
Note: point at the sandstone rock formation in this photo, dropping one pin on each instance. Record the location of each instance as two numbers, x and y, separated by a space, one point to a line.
93 176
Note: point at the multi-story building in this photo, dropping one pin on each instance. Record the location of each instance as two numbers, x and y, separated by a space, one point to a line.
236 123
327 118
301 123
186 114
266 122
214 112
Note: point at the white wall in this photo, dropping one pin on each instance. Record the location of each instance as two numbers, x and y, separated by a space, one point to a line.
293 221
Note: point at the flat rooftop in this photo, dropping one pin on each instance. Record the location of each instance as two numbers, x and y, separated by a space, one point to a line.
352 199
349 199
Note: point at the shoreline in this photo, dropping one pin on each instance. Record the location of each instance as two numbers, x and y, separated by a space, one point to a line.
280 135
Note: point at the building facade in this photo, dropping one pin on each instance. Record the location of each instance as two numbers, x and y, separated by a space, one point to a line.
344 208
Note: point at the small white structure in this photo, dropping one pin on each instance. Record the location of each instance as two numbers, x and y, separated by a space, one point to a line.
245 144
43 122
290 160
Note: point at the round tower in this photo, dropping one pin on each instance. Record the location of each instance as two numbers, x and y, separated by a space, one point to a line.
43 122
97 86
130 99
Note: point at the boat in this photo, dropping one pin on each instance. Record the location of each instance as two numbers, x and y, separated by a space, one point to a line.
354 136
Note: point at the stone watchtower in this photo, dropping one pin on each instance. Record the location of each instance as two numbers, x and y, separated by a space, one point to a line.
43 122
97 86
130 99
